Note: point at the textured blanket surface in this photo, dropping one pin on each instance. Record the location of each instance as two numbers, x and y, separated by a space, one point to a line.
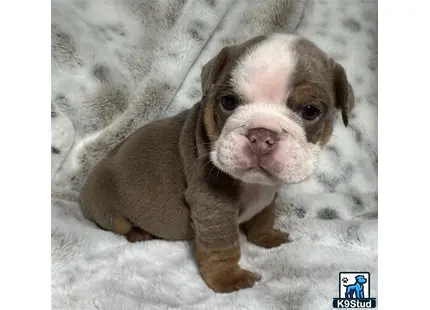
118 64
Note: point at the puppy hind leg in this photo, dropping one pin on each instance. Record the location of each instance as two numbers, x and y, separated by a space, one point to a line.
97 205
137 234
114 222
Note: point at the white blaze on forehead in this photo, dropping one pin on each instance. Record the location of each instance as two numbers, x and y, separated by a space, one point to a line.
263 73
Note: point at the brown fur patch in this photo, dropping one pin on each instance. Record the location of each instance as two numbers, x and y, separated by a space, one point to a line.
309 93
326 132
327 79
259 230
211 126
313 94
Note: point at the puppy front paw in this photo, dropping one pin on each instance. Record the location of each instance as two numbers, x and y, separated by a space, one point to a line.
233 280
270 238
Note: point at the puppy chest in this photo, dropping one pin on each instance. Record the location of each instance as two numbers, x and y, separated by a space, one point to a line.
254 199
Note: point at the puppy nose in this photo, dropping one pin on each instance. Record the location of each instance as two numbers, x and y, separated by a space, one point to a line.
263 141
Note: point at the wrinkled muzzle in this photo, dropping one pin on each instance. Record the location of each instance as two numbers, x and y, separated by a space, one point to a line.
266 144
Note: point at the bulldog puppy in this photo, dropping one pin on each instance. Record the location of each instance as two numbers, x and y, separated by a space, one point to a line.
267 110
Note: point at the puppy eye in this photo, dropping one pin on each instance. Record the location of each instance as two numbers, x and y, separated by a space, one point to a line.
229 103
310 112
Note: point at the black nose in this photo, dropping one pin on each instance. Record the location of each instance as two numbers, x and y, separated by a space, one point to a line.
263 141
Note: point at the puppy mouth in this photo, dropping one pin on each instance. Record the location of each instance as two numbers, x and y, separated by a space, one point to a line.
263 171
262 165
258 166
250 163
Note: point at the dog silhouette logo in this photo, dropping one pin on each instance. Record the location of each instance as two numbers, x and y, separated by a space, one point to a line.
357 288
354 291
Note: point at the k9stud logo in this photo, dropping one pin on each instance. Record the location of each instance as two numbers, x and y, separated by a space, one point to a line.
354 291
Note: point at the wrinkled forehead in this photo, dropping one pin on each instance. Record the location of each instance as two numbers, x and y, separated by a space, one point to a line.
269 69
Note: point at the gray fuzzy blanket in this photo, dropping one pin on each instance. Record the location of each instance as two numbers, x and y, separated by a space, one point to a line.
118 64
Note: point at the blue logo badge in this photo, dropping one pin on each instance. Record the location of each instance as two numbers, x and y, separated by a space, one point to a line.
354 291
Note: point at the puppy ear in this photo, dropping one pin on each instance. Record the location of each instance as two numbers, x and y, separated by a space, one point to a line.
344 95
212 69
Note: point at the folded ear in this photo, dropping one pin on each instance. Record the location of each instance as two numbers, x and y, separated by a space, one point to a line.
344 95
212 69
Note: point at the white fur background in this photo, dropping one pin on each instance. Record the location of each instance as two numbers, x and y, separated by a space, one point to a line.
117 64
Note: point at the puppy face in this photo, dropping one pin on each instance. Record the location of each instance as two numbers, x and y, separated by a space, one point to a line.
269 107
